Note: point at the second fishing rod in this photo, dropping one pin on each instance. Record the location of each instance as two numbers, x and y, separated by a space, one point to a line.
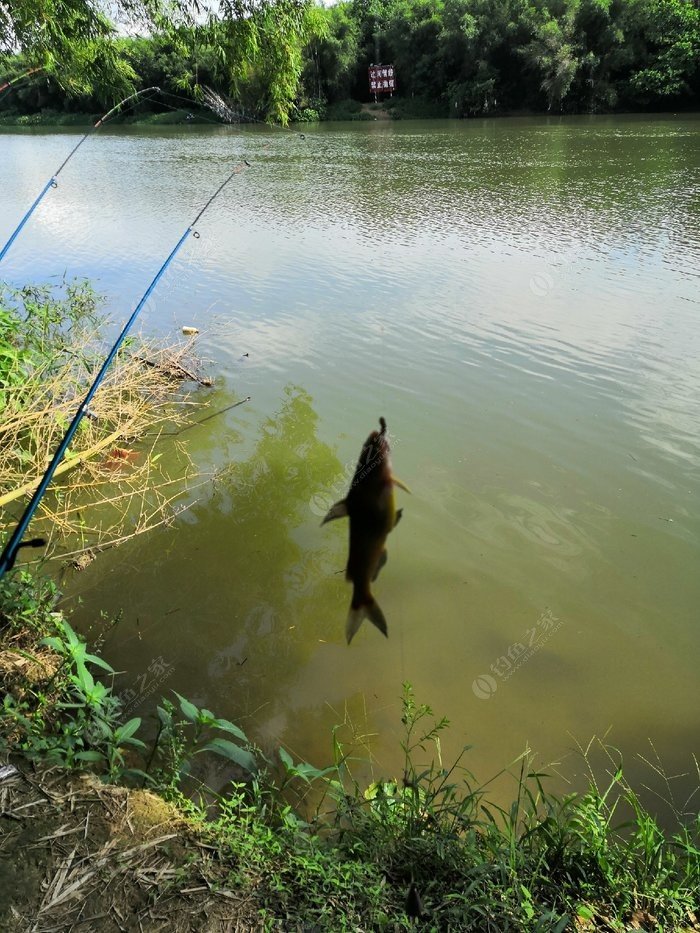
53 181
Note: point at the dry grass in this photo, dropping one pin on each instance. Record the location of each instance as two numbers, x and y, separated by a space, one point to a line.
113 483
79 855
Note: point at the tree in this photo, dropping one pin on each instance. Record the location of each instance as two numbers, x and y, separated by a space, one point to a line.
71 41
553 51
258 43
332 55
665 38
262 52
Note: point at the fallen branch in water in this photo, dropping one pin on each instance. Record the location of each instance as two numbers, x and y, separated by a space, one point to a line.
171 366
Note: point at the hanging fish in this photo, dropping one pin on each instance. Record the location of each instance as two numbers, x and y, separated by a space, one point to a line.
372 512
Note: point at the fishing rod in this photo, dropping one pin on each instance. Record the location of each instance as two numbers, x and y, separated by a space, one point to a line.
9 554
12 82
52 182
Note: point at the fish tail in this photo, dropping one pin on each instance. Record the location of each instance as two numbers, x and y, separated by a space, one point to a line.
362 608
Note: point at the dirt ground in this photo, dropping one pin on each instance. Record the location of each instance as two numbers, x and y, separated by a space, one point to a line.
79 855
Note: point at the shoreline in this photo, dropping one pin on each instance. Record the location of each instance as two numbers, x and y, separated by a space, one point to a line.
361 112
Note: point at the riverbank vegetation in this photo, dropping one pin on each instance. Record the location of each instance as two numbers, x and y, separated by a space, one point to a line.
292 59
284 844
112 483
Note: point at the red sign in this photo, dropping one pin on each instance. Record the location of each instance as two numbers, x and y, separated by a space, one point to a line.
382 79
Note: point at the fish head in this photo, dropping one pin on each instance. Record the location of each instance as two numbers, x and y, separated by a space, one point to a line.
373 467
376 447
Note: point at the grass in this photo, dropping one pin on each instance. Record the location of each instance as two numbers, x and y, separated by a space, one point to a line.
11 117
400 108
298 847
344 110
167 118
52 343
416 108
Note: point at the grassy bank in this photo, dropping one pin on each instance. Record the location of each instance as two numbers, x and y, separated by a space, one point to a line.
397 108
56 118
286 845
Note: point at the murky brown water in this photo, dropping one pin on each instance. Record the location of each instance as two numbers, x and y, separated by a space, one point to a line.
519 299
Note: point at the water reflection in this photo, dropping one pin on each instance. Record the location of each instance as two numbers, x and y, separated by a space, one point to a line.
236 598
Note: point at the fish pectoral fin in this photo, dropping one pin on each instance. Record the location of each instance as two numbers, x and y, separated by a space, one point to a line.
399 513
397 482
339 510
383 557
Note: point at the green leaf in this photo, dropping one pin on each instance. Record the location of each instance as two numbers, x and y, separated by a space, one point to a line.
90 756
127 730
189 710
286 759
54 643
229 727
137 772
84 678
310 773
93 659
72 637
233 752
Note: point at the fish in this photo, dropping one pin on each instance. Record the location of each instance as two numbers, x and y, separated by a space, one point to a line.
371 509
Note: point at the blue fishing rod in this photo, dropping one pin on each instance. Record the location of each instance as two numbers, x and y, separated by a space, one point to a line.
9 554
52 182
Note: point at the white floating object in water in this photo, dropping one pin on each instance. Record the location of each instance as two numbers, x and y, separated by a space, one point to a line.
189 331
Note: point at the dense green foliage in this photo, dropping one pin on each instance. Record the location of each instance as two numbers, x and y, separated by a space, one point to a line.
481 56
288 57
246 48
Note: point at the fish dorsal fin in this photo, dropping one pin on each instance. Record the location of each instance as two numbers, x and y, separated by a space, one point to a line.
397 482
339 510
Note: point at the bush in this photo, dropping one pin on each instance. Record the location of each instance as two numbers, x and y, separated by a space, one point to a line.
416 108
344 110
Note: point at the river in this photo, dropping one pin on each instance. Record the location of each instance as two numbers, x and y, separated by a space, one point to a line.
519 299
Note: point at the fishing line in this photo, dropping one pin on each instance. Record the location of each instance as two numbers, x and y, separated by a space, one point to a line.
242 115
200 116
193 424
52 182
9 554
191 102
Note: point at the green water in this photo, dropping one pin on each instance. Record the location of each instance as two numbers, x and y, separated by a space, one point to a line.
519 299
